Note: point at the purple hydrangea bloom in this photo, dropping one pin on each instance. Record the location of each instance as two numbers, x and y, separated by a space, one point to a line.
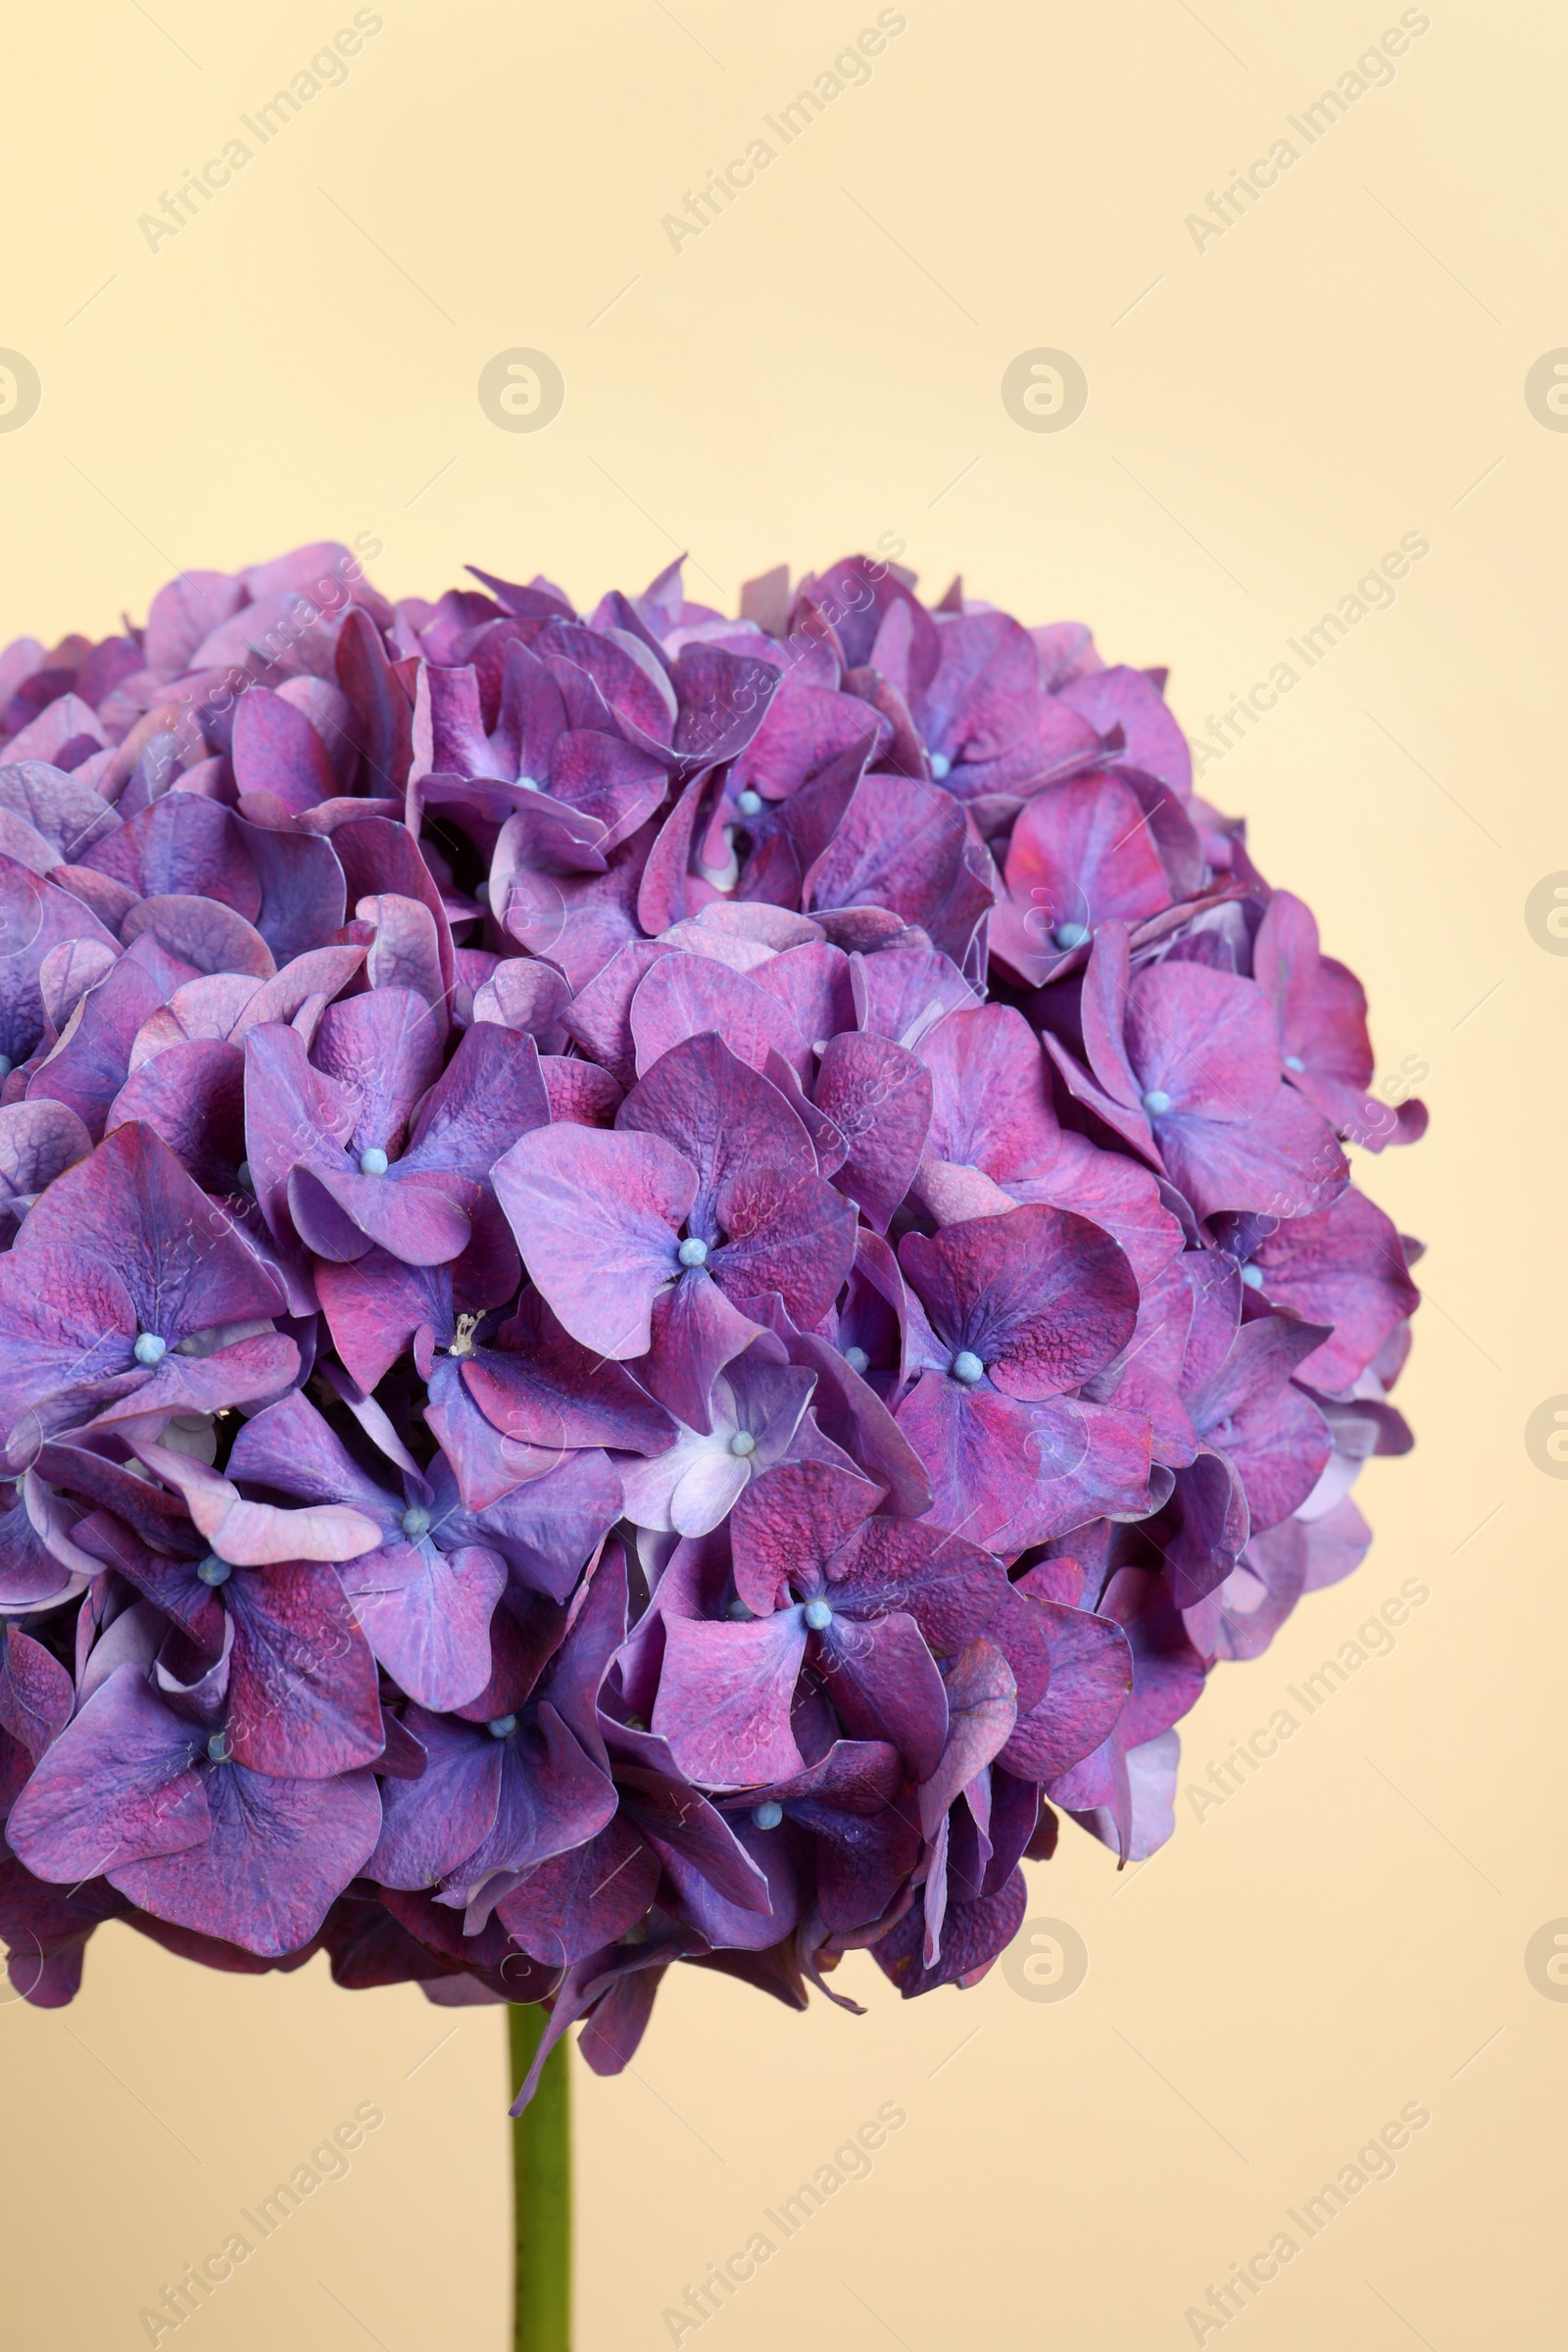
661 1278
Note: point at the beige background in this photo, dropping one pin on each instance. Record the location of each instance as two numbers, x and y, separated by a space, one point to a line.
818 368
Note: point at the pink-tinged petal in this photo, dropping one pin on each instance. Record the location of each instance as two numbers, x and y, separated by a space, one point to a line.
293 1450
849 1413
1285 963
386 1045
315 976
406 952
185 611
181 846
879 1098
378 856
791 1522
526 996
491 1092
1058 745
798 1242
110 902
63 808
36 1695
596 1218
982 1708
1336 1543
259 1534
276 749
1212 1530
991 1093
722 700
645 706
903 992
304 894
813 979
804 729
724 1698
38 1142
91 1063
294 1116
696 1332
979 1449
1091 1679
301 1686
1081 852
1343 1265
1102 1012
1280 1446
1321 1012
538 1384
421 1219
885 1685
279 1853
1167 1672
579 919
599 1017
200 932
947 1586
901 844
1127 699
118 1785
250 1372
429 1825
193 1096
36 917
458 744
40 1560
682 996
66 972
485 1465
211 1007
531 715
986 693
580 1092
427 1616
1149 1380
1094 1462
541 837
973 1935
1203 1039
1142 1814
1044 1298
667 881
545 1527
724 1118
579 1901
1111 1191
131 1207
1282 1162
375 690
610 781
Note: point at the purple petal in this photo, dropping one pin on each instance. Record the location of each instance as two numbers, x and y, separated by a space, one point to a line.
724 1698
280 1853
302 1691
596 1218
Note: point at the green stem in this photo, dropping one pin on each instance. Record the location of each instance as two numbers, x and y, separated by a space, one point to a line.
541 2193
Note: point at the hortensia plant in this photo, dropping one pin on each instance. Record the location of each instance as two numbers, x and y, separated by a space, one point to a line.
667 1280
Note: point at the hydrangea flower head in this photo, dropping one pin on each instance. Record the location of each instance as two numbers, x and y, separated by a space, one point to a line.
664 1279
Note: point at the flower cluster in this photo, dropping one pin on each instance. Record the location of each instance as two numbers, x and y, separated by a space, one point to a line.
663 1276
